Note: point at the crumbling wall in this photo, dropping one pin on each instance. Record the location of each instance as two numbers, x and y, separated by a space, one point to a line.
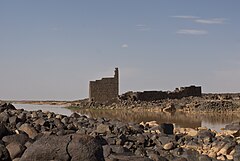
159 95
151 95
105 89
189 91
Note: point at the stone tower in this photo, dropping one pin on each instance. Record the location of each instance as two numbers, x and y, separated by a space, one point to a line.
105 89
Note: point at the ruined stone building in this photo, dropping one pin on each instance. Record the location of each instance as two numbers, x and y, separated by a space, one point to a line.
105 89
194 91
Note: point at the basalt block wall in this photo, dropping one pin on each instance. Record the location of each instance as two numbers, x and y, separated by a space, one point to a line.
177 94
105 89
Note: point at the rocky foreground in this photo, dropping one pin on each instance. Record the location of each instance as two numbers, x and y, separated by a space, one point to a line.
45 136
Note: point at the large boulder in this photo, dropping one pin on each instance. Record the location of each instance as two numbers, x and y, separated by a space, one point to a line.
27 128
19 138
164 128
102 128
4 116
3 130
68 147
4 154
206 134
84 147
15 149
236 155
167 128
6 106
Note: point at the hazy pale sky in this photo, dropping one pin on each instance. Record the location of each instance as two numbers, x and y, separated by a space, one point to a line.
50 49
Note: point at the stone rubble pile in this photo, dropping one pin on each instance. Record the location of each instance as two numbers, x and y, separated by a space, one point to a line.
45 136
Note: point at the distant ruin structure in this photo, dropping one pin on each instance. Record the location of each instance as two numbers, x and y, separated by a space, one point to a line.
195 91
105 89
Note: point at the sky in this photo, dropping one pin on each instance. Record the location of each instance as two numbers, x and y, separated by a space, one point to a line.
51 49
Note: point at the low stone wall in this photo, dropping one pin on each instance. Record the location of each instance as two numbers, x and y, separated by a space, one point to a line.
159 95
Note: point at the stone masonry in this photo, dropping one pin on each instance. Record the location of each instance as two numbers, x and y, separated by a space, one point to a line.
177 94
105 89
194 91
